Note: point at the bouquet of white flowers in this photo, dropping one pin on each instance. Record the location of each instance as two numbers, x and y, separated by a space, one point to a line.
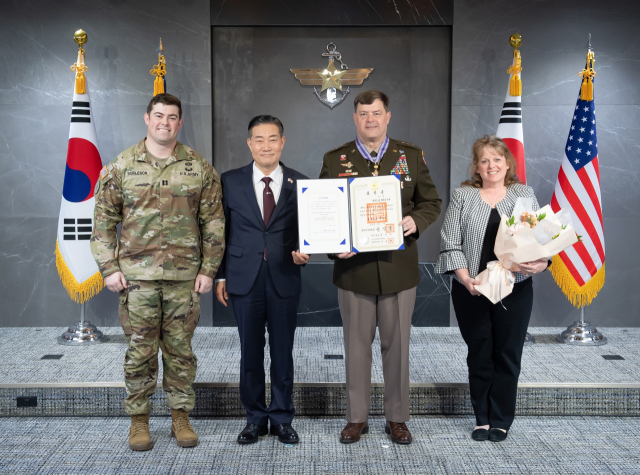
524 237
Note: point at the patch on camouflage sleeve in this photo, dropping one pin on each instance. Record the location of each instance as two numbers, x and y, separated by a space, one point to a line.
97 188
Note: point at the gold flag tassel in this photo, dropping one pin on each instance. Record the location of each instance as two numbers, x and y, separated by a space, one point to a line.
79 293
159 70
80 37
578 296
587 75
515 83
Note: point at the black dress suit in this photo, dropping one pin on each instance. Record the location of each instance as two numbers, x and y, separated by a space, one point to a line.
262 291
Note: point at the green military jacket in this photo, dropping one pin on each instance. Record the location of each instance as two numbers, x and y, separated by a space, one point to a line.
378 273
172 218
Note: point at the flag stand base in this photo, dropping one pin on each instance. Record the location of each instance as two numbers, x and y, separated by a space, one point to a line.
81 334
582 333
529 339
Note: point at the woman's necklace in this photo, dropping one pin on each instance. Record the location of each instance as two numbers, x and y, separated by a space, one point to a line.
487 197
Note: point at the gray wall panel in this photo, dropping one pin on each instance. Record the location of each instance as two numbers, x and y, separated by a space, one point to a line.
36 90
251 76
553 49
351 13
553 52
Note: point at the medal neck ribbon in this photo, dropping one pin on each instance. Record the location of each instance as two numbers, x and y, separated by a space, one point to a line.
365 151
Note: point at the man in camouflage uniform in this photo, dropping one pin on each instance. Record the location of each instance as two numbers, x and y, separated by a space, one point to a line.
168 199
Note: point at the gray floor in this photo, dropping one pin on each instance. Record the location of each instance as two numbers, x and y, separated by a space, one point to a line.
538 445
437 356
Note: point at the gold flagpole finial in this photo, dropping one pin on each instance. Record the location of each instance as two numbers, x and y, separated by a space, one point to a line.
79 67
515 83
515 40
587 75
159 70
80 37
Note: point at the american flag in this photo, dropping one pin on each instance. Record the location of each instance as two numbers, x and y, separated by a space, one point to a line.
579 270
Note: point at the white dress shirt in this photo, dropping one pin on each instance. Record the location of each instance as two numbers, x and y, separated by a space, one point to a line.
275 185
258 187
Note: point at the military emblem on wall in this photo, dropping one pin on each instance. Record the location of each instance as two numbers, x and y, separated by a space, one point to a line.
334 82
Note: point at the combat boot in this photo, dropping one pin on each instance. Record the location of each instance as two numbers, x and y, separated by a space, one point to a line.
139 437
181 428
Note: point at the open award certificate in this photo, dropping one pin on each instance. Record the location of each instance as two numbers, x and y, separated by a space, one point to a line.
323 216
376 212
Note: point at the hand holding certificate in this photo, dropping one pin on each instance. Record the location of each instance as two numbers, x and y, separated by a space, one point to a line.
354 214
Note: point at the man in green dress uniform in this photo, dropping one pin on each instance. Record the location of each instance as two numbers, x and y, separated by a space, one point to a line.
380 287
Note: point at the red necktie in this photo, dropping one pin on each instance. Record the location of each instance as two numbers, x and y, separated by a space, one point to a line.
268 205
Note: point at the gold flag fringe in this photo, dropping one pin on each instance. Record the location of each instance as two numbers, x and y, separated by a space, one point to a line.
159 70
587 75
79 293
578 296
515 83
80 68
158 86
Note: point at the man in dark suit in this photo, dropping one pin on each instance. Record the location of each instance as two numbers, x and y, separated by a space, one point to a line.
380 287
260 273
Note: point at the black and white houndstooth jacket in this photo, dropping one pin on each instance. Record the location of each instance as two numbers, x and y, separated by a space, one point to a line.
465 224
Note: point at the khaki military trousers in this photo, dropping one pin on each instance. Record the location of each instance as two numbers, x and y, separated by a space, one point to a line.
392 313
159 314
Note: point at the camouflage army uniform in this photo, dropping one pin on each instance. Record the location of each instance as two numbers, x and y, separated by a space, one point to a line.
172 230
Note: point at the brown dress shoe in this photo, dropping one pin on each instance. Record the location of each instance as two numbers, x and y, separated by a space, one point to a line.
352 432
399 432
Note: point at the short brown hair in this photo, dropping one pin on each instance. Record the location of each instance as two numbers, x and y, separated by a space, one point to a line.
501 148
167 100
368 97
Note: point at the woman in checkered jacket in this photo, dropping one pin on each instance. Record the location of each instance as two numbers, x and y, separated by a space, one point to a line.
494 334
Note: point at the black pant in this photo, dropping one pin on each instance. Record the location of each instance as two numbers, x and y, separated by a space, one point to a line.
495 338
264 304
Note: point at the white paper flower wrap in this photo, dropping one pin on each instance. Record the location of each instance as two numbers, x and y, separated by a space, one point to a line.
519 243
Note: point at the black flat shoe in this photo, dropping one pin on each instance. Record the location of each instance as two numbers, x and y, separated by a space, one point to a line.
480 434
251 433
497 435
286 434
